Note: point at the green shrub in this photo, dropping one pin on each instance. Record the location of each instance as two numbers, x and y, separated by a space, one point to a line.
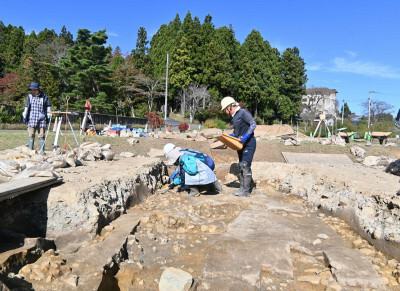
215 123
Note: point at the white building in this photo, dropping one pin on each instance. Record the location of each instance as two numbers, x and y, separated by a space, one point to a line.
319 101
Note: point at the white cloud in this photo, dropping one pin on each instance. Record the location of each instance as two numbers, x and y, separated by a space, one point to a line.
351 53
314 67
112 34
364 68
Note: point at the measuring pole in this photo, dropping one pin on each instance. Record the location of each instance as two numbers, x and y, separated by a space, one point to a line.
369 109
166 92
342 111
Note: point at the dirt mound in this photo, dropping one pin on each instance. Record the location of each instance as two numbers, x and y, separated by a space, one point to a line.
264 131
211 131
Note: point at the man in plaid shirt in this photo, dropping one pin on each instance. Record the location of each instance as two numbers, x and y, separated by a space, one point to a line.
36 115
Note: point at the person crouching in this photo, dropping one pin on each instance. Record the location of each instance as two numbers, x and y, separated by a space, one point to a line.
194 170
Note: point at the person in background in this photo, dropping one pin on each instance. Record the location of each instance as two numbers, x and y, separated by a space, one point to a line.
397 119
243 128
194 170
36 115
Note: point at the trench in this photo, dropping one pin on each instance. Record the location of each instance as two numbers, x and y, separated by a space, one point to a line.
30 216
164 235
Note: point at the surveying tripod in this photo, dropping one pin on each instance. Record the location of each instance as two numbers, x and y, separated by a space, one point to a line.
87 117
322 118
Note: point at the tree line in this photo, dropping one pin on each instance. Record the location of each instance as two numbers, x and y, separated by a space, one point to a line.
205 64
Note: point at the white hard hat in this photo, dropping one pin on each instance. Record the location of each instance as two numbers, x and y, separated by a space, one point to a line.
226 101
167 148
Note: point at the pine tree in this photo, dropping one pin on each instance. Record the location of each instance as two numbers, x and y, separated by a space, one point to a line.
86 68
140 58
66 36
293 85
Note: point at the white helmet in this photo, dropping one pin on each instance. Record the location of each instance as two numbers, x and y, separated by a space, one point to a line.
226 101
167 148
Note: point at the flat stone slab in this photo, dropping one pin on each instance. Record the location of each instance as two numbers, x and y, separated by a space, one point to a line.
263 239
321 159
15 188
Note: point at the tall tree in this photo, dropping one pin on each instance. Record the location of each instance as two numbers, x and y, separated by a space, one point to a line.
140 58
86 69
163 42
293 85
66 36
14 47
259 78
46 35
218 63
377 109
345 111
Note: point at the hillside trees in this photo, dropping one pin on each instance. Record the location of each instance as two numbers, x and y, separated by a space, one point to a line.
86 71
269 84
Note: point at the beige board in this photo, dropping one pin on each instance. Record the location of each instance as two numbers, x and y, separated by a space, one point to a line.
15 188
321 159
230 141
380 133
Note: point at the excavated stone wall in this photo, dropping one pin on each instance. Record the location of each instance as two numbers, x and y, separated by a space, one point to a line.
365 197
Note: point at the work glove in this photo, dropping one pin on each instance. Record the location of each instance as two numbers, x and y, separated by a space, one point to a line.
49 115
231 134
23 120
171 186
244 138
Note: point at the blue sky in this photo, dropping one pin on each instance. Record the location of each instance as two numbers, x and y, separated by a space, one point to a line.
351 46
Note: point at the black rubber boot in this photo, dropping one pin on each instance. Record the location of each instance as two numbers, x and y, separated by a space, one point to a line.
193 192
247 177
241 184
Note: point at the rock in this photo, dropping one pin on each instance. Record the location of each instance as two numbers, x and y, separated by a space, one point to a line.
132 141
390 144
173 279
127 154
322 236
218 145
377 161
313 279
316 242
394 168
366 251
357 151
156 152
71 280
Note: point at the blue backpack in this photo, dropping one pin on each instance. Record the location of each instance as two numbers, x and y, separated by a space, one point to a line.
202 157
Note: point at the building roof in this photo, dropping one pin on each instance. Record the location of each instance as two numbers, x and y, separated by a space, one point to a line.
321 91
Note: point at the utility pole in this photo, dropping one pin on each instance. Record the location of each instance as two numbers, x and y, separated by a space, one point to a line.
166 92
342 111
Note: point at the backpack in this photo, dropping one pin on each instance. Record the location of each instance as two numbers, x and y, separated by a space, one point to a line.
202 157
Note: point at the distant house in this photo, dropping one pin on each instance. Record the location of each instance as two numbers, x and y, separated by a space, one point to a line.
317 102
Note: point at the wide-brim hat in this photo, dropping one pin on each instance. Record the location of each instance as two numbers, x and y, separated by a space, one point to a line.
34 86
173 155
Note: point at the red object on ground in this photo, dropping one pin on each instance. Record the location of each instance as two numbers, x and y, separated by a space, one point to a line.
169 128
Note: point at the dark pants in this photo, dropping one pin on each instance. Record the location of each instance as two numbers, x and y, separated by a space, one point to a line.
247 153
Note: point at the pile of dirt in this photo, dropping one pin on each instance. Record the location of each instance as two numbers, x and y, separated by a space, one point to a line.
264 131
